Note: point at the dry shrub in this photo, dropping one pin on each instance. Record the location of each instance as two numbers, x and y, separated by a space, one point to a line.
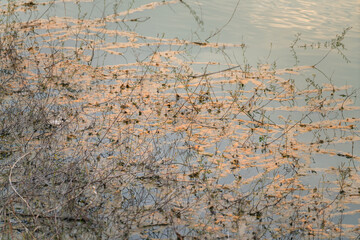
153 149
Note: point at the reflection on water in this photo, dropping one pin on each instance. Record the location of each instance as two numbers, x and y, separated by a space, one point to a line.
316 16
109 132
261 23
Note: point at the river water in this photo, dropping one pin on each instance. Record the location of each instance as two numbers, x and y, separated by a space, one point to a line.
268 28
151 43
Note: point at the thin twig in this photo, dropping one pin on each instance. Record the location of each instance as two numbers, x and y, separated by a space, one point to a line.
12 186
212 73
322 58
298 122
219 30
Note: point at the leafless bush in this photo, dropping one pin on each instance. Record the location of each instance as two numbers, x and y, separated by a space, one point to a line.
154 149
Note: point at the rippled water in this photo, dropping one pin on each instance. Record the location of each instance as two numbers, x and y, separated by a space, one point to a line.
266 26
132 72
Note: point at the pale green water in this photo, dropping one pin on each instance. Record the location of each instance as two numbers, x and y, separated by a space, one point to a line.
267 28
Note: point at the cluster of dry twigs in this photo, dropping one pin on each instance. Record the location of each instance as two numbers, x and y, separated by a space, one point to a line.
152 149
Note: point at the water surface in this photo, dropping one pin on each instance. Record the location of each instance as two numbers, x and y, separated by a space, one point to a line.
181 118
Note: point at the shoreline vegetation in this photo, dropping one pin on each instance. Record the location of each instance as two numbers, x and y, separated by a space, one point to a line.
157 145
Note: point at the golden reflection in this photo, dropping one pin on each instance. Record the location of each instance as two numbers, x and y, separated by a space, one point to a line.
151 146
